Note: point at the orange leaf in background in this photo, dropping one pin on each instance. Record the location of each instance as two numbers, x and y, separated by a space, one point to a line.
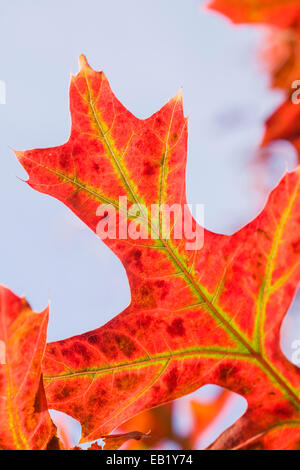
204 415
161 422
25 422
282 13
206 316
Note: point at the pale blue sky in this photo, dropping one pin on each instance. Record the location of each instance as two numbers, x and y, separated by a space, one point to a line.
148 49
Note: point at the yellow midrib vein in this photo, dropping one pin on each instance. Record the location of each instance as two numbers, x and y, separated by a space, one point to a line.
154 360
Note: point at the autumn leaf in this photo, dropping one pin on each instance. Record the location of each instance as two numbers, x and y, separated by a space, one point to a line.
206 316
204 414
282 13
25 422
159 420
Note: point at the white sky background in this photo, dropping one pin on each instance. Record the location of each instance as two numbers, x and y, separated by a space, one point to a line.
148 49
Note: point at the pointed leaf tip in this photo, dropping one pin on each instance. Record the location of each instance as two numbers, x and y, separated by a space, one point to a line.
83 63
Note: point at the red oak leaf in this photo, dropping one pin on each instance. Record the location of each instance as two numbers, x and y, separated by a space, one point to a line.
25 422
210 315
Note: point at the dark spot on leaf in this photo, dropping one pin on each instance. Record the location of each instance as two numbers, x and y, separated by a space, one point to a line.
77 410
98 398
146 298
93 339
64 392
144 322
67 353
171 380
127 381
176 328
283 411
226 371
51 350
164 286
125 345
149 169
79 348
108 344
135 255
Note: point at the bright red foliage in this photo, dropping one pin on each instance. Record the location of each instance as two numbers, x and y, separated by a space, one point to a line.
196 317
